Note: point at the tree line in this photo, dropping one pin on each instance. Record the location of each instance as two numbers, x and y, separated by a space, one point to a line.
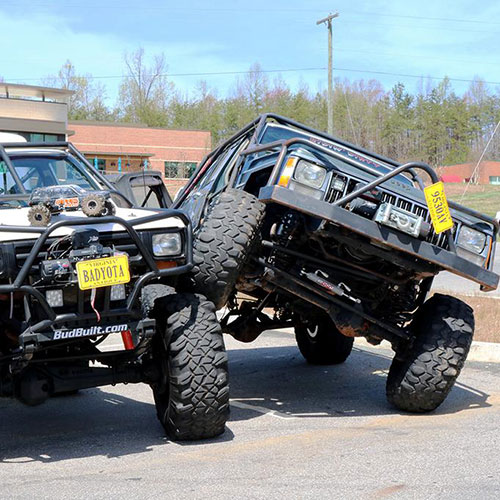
433 124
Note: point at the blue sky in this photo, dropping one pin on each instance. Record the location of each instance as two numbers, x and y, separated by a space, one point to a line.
457 38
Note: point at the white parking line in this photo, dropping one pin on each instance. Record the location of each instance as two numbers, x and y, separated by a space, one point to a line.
260 409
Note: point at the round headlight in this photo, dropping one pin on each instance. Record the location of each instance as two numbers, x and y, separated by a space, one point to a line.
471 239
310 174
168 244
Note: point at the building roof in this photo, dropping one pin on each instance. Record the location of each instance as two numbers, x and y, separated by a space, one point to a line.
99 123
15 90
118 153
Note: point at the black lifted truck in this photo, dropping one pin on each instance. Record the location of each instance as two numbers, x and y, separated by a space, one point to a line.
89 302
339 242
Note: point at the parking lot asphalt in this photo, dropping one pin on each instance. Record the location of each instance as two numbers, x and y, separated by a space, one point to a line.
296 431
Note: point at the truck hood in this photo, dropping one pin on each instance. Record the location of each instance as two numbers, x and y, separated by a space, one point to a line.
19 217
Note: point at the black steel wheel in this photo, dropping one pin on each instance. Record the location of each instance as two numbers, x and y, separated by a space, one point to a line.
192 395
320 342
421 377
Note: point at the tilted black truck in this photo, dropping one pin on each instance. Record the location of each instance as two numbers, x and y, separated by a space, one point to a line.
339 241
68 287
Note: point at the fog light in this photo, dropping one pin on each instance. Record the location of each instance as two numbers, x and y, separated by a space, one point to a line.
54 298
117 292
338 184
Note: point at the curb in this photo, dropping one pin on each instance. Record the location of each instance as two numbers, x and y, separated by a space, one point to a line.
484 352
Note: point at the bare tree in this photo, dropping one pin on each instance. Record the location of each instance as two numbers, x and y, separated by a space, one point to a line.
88 100
145 90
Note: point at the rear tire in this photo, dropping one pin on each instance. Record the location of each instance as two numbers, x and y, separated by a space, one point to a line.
192 396
223 243
321 343
422 377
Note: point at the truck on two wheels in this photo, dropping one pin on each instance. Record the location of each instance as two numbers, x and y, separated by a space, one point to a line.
340 242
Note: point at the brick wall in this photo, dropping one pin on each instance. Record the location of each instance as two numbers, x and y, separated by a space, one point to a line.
93 138
465 170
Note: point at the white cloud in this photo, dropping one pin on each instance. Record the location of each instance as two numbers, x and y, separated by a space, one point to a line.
38 45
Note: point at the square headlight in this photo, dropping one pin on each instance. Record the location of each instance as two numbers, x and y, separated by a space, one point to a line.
310 174
472 240
167 244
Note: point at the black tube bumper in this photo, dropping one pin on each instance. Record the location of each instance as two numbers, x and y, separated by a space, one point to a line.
445 259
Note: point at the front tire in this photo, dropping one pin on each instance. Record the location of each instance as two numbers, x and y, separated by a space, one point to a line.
223 242
321 343
192 396
420 379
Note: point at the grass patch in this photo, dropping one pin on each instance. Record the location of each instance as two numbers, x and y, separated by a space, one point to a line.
483 198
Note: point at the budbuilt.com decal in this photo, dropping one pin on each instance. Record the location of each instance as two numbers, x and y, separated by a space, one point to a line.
88 332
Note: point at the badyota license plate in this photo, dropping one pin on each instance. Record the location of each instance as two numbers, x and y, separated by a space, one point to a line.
103 272
438 207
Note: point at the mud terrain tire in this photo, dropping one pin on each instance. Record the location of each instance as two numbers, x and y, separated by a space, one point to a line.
192 397
420 381
321 343
223 242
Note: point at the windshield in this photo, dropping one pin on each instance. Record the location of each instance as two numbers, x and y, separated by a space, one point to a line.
43 171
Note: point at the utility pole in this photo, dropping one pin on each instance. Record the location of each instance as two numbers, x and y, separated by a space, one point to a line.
328 22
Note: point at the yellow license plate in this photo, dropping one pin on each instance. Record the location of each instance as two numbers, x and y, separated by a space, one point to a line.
438 207
103 272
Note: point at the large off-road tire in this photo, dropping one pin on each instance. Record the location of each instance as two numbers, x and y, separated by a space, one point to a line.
94 205
151 293
321 343
192 396
421 380
39 215
223 242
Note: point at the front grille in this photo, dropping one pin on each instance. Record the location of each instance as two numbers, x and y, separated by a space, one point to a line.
351 184
121 242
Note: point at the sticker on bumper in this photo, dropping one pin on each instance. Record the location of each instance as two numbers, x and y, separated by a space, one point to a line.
88 332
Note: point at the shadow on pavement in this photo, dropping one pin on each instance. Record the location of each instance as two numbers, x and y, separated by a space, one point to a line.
279 381
91 423
273 380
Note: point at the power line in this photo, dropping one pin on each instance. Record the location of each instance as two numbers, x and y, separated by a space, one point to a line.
425 18
101 5
284 70
241 10
211 73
